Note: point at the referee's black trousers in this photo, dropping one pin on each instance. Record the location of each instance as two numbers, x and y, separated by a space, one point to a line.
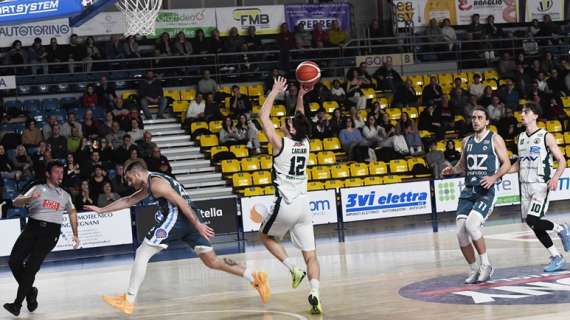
29 251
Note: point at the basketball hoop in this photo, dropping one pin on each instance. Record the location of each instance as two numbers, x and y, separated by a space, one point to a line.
140 15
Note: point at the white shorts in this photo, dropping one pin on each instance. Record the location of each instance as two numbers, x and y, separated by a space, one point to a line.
534 199
294 217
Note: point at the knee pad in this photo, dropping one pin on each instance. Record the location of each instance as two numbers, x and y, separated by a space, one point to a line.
462 235
473 224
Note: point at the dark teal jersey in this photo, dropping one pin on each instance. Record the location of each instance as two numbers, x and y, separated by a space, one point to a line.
480 159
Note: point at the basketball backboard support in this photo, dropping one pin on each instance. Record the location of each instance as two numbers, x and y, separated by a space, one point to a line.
90 12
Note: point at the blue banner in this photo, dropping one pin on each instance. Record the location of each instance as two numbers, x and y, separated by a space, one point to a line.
20 11
324 14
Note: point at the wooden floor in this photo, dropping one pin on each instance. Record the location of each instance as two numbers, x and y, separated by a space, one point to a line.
361 279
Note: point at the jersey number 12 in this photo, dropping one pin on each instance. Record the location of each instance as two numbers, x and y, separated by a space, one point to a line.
297 166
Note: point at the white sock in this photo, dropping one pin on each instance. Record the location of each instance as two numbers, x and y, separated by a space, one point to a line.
557 227
138 270
553 251
485 259
289 264
314 284
474 266
248 275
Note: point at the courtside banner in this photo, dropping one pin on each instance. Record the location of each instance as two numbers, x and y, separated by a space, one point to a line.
536 9
10 230
322 204
265 19
17 11
219 214
562 192
97 230
447 192
105 23
324 14
7 82
385 201
27 32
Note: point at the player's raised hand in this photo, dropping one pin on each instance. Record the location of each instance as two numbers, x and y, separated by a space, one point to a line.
447 171
280 85
205 231
304 89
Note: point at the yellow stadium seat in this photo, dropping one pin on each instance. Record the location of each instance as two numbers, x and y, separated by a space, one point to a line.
315 185
553 126
353 182
269 149
278 110
326 157
398 166
369 93
412 112
331 144
358 170
316 145
255 90
418 90
261 178
127 93
417 80
243 90
330 106
241 179
340 171
276 122
391 179
378 168
215 126
541 124
384 103
250 164
320 173
180 106
559 138
240 151
493 128
372 181
312 160
217 149
445 79
327 83
188 94
334 184
458 144
314 106
490 74
265 162
568 163
425 134
566 102
363 114
518 116
230 166
172 93
198 125
567 137
253 191
458 118
440 146
416 160
262 137
269 190
208 140
394 113
567 148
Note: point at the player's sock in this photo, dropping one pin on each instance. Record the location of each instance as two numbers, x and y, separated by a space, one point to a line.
474 266
485 259
248 275
315 284
289 264
553 251
131 297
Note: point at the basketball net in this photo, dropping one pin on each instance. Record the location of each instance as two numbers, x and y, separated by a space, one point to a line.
140 15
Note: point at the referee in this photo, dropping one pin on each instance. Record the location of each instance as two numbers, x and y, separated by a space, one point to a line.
46 205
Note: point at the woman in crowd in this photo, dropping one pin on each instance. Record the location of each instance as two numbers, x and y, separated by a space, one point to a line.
84 198
108 196
229 134
247 129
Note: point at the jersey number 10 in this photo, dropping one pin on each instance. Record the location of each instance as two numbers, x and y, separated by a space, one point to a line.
297 166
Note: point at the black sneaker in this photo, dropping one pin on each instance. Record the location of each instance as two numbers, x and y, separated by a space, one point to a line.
32 299
13 308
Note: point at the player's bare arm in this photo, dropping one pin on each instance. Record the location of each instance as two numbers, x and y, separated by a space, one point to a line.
73 222
515 167
279 86
123 203
300 107
559 157
460 165
501 151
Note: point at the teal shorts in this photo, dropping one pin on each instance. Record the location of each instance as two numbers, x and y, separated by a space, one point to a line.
476 199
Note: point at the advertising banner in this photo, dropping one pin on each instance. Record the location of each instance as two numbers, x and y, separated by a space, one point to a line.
375 61
187 21
266 19
219 214
105 23
97 230
27 32
321 203
7 82
447 192
406 12
536 9
385 201
323 14
17 11
10 230
563 190
461 11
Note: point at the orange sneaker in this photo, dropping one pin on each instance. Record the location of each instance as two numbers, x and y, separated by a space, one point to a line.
120 303
261 284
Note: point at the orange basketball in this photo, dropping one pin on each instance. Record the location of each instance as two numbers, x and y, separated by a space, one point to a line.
308 73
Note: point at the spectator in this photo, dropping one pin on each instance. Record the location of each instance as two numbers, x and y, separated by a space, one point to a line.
58 143
234 42
246 128
37 54
123 152
548 29
164 45
521 59
16 54
509 95
409 129
90 127
476 88
405 95
23 162
158 162
354 89
239 103
432 92
212 109
131 48
136 133
182 47
114 48
84 198
216 44
534 69
55 52
336 122
336 36
436 160
320 37
48 127
387 77
556 84
475 28
150 91
291 97
121 114
547 64
385 123
451 155
372 133
367 79
554 111
252 41
302 37
521 79
76 52
468 112
97 180
229 134
108 196
486 97
115 138
32 135
434 37
268 83
83 155
375 30
199 43
448 34
506 65
357 121
106 151
70 124
134 114
337 91
534 27
72 172
105 128
351 139
492 30
7 169
458 99
508 126
89 98
207 84
286 39
430 120
74 140
119 183
146 145
542 83
91 53
38 159
196 110
321 126
134 155
496 110
107 94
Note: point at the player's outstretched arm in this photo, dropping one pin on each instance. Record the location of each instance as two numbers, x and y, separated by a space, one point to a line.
501 151
123 203
559 157
459 166
279 86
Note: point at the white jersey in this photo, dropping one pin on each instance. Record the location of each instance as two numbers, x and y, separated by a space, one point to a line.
535 159
290 169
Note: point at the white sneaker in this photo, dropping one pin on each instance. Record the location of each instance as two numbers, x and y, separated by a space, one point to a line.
473 276
485 273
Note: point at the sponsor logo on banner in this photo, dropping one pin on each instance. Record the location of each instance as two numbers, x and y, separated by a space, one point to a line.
536 9
27 32
10 231
324 14
97 230
511 286
220 214
266 19
504 11
187 21
14 11
397 59
563 190
7 82
104 23
406 12
322 205
384 201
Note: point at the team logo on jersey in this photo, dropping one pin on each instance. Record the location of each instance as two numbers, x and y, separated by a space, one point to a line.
49 204
158 216
537 141
513 286
160 233
485 148
534 149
